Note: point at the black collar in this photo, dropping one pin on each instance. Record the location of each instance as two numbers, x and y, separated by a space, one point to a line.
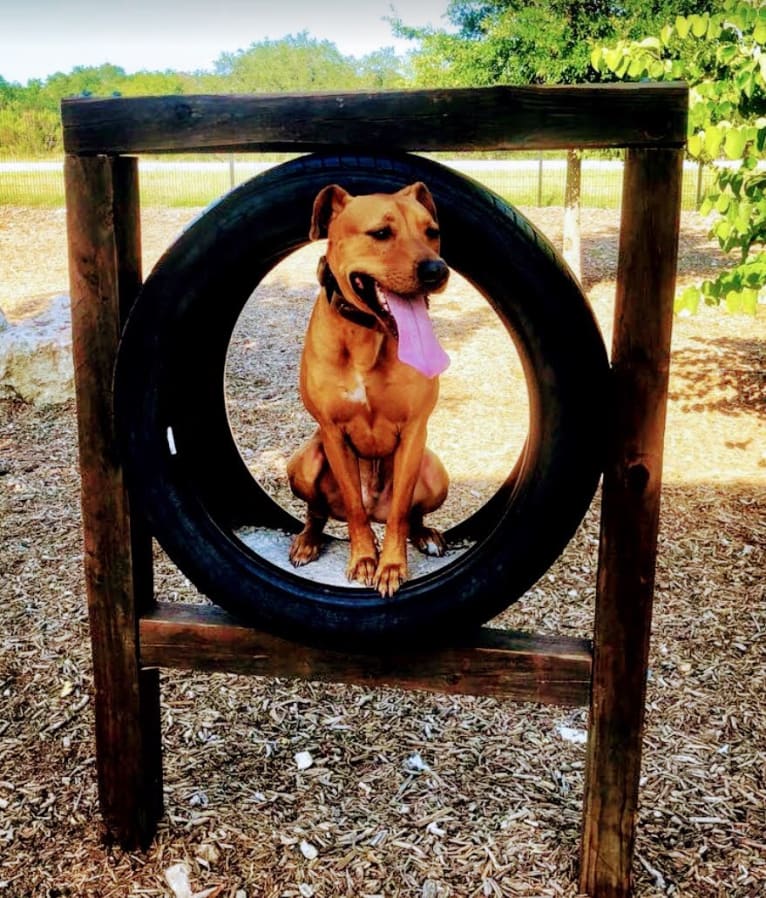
341 305
351 312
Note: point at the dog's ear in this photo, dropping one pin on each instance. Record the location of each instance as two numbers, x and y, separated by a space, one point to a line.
422 194
328 203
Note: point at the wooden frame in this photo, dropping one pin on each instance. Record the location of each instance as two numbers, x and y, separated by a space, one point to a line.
133 635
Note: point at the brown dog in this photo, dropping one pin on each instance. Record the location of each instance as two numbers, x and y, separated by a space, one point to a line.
369 378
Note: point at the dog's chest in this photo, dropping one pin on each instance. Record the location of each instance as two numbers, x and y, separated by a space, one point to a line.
372 415
356 391
376 395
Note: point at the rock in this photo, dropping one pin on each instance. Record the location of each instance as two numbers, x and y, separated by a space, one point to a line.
303 760
308 850
36 356
177 878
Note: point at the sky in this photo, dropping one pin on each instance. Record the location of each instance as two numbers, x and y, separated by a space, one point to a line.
41 37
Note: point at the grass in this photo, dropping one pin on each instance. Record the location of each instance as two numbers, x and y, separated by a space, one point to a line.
184 186
158 188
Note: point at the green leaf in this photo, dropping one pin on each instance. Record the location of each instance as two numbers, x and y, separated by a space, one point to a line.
678 70
759 32
722 230
666 34
742 219
694 145
754 274
688 302
745 81
743 301
699 25
650 43
735 17
711 289
725 53
713 139
612 58
622 68
723 203
704 89
734 143
683 26
595 58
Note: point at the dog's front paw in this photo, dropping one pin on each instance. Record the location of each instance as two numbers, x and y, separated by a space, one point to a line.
303 549
389 577
362 569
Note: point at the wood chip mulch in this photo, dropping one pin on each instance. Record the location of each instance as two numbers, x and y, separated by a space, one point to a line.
277 788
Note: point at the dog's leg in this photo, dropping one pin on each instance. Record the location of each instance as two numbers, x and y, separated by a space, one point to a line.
305 470
306 544
391 571
430 493
344 464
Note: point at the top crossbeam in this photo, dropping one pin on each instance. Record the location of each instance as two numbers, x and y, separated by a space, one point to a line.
463 119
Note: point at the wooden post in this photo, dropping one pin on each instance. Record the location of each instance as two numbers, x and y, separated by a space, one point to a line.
105 274
630 515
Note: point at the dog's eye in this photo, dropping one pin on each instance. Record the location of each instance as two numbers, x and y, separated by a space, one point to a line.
433 233
381 233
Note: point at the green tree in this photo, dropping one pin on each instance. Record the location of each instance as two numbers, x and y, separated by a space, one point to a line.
28 126
293 63
100 80
723 58
531 41
152 84
9 92
382 70
30 123
29 133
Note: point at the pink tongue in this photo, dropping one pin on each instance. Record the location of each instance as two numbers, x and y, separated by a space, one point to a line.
418 345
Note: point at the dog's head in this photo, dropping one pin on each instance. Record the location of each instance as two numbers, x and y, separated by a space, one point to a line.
383 251
386 240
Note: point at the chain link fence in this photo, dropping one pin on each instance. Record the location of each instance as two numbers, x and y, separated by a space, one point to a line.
523 182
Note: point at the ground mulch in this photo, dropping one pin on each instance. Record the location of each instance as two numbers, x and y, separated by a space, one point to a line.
288 788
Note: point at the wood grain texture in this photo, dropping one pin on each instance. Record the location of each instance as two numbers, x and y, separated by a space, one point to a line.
487 118
550 670
105 273
630 515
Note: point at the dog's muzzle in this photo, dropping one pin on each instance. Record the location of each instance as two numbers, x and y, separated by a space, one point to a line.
432 273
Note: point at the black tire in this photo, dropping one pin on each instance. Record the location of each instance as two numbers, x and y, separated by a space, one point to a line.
195 489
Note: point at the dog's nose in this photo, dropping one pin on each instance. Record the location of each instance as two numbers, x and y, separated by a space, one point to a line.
432 272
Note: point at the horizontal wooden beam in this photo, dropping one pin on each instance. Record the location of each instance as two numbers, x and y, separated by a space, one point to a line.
550 670
488 118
